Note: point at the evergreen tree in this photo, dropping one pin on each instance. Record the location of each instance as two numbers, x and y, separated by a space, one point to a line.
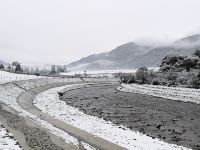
18 68
53 69
142 75
1 67
9 67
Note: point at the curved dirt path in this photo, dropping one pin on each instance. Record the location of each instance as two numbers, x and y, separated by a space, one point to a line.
26 99
172 121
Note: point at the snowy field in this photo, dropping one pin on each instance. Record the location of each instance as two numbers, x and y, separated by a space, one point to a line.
8 77
7 141
173 93
49 102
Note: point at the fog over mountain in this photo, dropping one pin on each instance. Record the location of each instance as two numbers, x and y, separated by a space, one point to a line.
59 32
133 55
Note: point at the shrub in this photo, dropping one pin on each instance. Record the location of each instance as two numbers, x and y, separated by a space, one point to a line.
195 82
131 79
152 75
172 76
155 82
124 78
142 75
163 82
182 80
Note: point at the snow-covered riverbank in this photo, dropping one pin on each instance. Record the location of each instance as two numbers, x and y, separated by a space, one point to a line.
49 102
9 93
173 93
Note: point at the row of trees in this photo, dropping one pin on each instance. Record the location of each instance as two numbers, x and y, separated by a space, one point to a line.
15 67
55 69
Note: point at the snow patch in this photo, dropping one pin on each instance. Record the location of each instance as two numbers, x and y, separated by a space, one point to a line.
87 146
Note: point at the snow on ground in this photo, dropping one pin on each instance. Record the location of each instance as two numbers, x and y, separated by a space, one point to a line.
101 73
174 93
9 94
48 101
105 73
102 79
10 91
7 141
98 72
87 146
44 81
8 77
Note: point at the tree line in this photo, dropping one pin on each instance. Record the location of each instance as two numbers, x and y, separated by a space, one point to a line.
175 70
16 67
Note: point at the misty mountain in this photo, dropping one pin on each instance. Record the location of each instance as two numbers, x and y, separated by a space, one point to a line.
112 59
132 55
184 47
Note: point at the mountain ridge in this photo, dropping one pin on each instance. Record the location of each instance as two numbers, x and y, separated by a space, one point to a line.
132 55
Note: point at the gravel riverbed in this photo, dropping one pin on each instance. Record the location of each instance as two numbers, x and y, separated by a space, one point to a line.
172 121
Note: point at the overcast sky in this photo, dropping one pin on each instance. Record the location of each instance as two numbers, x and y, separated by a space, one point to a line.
60 31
